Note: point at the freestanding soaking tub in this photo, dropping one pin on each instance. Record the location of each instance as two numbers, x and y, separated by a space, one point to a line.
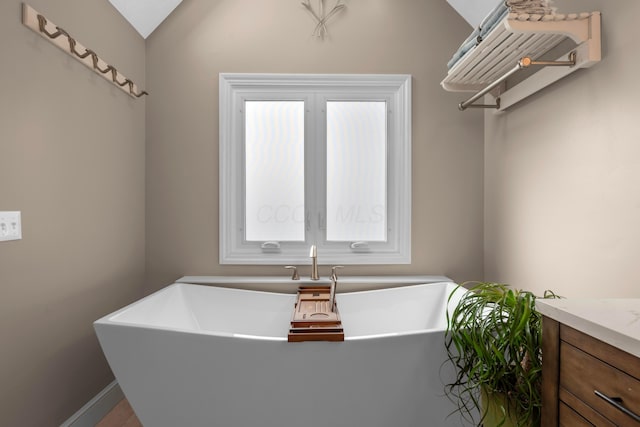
192 355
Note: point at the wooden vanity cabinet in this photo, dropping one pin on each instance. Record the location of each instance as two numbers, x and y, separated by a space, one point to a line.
586 382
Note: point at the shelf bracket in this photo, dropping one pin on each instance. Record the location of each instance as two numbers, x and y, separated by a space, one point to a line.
524 62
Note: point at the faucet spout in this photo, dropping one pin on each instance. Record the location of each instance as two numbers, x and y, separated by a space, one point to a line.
334 284
313 254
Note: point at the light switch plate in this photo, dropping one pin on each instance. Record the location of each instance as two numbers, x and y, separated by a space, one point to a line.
10 225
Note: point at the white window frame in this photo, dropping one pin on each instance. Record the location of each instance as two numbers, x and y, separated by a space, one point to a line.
315 89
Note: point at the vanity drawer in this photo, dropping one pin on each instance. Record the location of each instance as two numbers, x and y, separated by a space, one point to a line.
582 374
579 407
570 418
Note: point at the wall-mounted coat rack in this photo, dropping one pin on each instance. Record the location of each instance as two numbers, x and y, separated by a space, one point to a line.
59 37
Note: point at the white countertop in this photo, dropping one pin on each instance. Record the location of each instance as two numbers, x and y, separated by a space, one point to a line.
614 321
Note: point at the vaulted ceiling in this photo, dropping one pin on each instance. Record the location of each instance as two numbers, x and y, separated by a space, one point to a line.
145 15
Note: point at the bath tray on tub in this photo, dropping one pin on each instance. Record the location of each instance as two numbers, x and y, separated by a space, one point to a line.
313 319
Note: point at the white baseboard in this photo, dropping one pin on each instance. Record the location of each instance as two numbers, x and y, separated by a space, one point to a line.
96 409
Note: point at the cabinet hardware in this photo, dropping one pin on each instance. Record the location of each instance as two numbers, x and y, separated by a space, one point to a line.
617 403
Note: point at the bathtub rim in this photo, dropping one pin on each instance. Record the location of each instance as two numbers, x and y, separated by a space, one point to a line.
109 321
392 281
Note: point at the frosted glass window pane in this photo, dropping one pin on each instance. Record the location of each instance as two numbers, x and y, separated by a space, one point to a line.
356 171
274 169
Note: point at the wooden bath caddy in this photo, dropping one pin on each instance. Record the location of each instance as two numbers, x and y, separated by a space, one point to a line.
313 319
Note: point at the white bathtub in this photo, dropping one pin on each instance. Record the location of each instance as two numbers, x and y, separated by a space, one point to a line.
191 355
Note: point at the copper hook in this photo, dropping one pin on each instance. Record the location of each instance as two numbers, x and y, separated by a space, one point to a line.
131 91
126 82
42 23
114 73
72 45
94 58
138 95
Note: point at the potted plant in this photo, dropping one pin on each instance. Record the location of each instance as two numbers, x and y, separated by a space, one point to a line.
493 340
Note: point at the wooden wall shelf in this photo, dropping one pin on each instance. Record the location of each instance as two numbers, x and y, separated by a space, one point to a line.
519 36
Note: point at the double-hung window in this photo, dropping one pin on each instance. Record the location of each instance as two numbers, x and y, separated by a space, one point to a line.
315 159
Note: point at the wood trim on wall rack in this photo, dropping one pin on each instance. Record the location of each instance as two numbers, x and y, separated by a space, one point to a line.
48 30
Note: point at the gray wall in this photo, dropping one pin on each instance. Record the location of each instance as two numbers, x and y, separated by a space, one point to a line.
562 178
73 151
72 160
203 38
561 169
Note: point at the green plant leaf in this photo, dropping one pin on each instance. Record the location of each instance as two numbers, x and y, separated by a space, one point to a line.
493 339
